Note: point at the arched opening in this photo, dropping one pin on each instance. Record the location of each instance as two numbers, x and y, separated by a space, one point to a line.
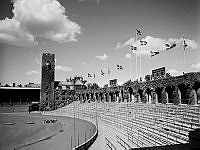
130 90
140 94
122 96
148 93
92 96
83 97
158 92
184 97
87 96
196 87
169 90
111 97
97 97
106 97
116 96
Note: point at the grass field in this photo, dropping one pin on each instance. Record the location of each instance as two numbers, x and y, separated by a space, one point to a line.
25 131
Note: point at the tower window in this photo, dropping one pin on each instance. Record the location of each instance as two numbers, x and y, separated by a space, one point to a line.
48 64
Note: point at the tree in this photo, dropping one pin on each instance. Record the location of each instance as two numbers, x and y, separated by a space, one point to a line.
105 86
95 86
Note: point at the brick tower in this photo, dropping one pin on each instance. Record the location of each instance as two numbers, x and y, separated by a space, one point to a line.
47 81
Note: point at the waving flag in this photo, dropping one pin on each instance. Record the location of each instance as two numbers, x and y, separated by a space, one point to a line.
184 43
138 32
89 75
133 48
168 47
154 53
143 42
119 67
102 73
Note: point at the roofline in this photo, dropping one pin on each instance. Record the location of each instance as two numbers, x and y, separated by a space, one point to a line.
20 88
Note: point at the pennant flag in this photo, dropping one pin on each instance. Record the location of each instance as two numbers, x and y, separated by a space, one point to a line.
168 47
154 53
102 73
138 32
119 67
133 48
143 42
184 43
89 75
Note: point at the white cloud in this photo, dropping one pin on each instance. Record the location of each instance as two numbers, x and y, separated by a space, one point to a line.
104 57
63 68
155 44
127 43
83 63
32 72
175 72
197 66
37 19
128 55
38 62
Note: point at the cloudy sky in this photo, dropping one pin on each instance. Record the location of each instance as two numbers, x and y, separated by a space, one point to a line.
88 36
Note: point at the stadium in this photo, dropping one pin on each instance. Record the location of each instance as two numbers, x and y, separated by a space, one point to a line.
163 113
99 75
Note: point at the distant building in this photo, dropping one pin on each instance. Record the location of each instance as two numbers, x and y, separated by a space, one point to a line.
113 82
77 83
32 85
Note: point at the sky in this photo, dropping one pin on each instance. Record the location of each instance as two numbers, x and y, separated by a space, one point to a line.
88 36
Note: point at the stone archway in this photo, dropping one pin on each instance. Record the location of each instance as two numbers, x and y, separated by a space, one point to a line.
169 94
130 91
183 93
148 95
196 88
101 97
87 96
111 97
106 97
158 94
116 96
140 92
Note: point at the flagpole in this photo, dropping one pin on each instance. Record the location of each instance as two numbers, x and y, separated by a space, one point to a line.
140 63
183 54
130 66
136 56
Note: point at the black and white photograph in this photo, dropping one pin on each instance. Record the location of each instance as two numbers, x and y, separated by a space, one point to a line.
99 74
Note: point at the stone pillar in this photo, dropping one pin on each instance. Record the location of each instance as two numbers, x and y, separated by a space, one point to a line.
177 95
120 96
167 98
154 97
163 96
117 97
192 97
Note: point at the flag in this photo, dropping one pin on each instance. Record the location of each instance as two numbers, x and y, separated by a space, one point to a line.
138 32
168 47
154 53
133 48
143 42
89 75
184 43
119 67
102 73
